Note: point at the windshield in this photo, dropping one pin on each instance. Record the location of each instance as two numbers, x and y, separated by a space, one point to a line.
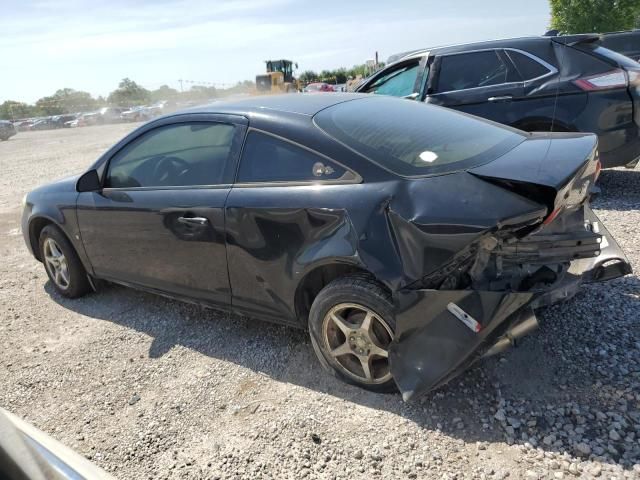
412 139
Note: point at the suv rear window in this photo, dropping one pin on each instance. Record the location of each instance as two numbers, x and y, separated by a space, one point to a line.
460 71
528 67
413 139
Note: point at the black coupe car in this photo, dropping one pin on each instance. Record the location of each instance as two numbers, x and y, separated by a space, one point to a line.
410 240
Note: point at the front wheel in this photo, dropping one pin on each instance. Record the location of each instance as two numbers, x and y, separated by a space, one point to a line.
351 326
62 264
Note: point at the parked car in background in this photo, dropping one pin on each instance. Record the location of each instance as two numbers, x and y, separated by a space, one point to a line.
7 130
135 114
102 116
318 87
411 240
45 123
72 123
59 121
626 43
23 125
561 83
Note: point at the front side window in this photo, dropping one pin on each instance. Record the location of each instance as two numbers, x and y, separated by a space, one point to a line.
412 139
399 82
473 70
268 159
183 154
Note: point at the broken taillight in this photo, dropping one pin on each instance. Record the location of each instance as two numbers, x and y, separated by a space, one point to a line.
598 170
603 81
552 216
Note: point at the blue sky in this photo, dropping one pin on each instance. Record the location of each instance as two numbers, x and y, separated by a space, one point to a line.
91 45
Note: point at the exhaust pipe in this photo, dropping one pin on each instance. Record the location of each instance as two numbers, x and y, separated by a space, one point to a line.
521 327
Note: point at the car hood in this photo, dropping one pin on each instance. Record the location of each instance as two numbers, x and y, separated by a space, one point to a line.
66 184
62 185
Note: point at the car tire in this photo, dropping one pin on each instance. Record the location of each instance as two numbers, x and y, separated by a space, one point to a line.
62 264
343 350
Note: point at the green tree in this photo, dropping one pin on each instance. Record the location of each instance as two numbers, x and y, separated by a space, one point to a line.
49 106
66 100
308 76
593 16
12 110
165 92
199 93
129 93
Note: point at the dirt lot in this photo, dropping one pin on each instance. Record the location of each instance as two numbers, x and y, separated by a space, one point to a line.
152 388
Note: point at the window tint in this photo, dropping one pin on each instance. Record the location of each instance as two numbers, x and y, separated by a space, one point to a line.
269 159
471 70
174 155
397 83
527 66
412 138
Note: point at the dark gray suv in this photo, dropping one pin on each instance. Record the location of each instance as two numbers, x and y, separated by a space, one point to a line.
564 83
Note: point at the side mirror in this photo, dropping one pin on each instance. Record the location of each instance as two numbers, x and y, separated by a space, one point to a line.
89 182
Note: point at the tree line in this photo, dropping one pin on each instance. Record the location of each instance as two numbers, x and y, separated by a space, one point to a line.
336 76
128 94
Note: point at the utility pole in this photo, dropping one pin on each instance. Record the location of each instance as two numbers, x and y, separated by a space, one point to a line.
181 90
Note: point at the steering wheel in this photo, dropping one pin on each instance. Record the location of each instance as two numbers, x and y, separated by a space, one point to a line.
167 169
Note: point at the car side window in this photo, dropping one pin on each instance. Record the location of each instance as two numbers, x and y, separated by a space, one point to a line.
527 66
184 154
399 82
268 159
471 70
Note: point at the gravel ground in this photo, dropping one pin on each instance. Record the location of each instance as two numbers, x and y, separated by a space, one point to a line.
152 388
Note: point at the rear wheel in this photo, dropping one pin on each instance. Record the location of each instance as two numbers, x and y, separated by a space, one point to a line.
351 326
62 264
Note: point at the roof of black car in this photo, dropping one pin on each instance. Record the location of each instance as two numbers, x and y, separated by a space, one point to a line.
300 103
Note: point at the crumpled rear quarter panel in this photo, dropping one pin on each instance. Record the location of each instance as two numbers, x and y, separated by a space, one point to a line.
431 342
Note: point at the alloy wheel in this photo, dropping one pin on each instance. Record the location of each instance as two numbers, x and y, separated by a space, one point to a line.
358 340
56 263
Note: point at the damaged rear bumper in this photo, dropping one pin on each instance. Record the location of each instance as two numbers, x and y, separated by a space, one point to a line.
439 333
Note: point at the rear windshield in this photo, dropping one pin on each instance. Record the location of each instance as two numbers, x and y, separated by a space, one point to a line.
412 139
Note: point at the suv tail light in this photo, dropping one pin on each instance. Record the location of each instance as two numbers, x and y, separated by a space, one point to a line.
603 81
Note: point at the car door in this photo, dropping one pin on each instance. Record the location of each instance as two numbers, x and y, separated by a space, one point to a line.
158 222
283 212
482 83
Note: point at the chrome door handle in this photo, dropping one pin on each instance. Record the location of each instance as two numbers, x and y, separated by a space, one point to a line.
504 98
198 221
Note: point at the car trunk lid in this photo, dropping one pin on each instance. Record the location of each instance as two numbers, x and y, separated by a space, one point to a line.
557 170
